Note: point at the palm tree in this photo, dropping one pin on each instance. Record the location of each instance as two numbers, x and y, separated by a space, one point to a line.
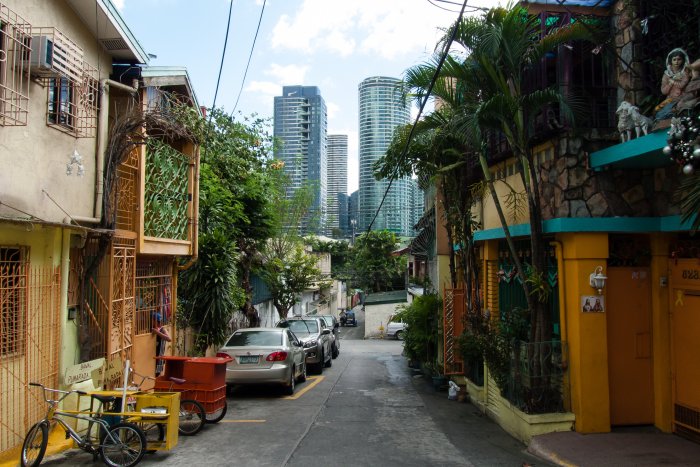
502 46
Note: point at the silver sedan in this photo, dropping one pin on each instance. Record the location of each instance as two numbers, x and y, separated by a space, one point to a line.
264 356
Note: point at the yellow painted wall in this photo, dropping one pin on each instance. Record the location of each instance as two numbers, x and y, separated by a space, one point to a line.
443 269
489 215
661 332
586 332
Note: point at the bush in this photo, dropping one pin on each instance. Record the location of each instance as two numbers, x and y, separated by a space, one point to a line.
421 334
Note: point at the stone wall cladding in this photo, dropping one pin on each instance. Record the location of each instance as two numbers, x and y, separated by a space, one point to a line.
569 188
627 28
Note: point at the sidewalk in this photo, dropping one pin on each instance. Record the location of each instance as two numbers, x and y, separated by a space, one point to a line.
621 448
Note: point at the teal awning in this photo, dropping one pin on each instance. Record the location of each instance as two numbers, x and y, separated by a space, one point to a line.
639 153
593 224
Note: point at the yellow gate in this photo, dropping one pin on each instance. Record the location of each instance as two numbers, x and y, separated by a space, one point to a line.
29 341
685 328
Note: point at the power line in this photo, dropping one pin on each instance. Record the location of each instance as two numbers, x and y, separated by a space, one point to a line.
420 110
223 55
250 56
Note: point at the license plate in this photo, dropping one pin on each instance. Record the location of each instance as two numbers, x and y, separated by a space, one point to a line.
248 359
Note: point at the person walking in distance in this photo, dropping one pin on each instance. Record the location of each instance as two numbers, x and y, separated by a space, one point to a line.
162 337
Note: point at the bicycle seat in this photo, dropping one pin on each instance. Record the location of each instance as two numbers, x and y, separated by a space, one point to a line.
177 380
103 399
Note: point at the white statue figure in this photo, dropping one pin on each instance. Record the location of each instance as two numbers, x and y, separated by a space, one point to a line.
641 123
624 121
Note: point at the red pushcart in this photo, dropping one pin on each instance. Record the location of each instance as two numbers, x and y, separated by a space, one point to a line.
204 381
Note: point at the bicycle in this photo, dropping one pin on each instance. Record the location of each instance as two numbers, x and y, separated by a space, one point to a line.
192 415
119 444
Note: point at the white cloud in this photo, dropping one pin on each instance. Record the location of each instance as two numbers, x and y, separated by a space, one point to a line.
119 4
288 74
332 109
266 88
380 27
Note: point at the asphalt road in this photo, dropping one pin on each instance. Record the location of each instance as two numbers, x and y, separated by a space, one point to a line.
368 409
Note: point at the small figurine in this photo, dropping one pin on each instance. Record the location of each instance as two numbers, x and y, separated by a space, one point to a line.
624 121
641 122
673 82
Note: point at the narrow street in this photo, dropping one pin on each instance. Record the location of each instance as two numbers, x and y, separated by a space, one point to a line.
368 409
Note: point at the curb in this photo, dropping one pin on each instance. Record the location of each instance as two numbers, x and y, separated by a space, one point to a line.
537 449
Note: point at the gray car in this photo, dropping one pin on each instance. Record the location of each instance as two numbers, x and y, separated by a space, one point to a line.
264 356
333 325
316 340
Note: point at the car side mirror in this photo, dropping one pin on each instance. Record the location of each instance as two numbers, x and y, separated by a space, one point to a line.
326 331
296 344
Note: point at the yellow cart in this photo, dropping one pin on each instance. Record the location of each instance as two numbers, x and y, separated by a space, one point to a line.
156 412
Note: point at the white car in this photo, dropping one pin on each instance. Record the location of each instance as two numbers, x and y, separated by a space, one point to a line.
395 328
264 356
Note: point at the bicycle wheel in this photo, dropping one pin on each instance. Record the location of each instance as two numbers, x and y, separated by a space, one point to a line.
218 415
154 433
192 417
124 446
34 445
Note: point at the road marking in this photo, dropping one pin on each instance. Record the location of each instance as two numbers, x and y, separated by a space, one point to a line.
242 421
314 381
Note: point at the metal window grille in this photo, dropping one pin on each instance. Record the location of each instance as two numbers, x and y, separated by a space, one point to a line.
15 37
73 104
153 293
29 306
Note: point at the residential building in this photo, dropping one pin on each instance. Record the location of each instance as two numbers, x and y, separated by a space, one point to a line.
614 236
382 109
87 252
337 180
300 124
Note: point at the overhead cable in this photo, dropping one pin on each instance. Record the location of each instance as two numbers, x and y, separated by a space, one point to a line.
250 56
443 57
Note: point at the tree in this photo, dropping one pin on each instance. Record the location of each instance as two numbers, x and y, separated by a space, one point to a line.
286 267
234 221
502 46
374 267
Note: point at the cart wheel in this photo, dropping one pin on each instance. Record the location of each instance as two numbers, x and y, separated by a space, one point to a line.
192 417
154 433
218 415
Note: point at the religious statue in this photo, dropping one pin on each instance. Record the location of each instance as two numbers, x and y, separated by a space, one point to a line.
673 82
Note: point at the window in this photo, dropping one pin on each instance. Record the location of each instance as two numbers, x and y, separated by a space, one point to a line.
62 108
13 300
15 35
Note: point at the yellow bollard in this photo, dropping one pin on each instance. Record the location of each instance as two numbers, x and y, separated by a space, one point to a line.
381 330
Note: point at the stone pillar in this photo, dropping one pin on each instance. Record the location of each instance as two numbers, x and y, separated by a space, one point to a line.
628 32
586 332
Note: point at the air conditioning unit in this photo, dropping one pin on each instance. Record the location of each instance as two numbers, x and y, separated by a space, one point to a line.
41 58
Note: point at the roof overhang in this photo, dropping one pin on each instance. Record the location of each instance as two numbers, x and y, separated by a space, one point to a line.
645 152
170 76
103 20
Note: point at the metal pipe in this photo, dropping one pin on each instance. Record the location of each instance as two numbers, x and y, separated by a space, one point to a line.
559 251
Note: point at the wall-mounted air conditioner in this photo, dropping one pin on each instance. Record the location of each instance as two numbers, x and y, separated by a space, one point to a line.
42 53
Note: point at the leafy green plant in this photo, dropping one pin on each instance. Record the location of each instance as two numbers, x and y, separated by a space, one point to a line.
421 334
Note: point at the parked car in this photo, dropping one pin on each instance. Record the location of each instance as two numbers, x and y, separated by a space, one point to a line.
315 338
395 328
264 356
333 325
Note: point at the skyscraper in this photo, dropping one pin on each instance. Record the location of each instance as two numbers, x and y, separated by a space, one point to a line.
300 123
337 178
382 109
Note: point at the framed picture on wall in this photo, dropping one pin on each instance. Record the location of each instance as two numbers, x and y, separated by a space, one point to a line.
592 303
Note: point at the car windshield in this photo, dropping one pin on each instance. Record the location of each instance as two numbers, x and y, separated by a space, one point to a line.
303 326
255 338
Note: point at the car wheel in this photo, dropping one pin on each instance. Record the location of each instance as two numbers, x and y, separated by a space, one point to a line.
320 364
399 335
329 363
335 352
289 388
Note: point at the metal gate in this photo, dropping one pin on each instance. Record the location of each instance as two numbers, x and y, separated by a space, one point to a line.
29 341
453 326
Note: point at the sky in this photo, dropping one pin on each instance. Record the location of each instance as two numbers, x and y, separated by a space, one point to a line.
332 44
